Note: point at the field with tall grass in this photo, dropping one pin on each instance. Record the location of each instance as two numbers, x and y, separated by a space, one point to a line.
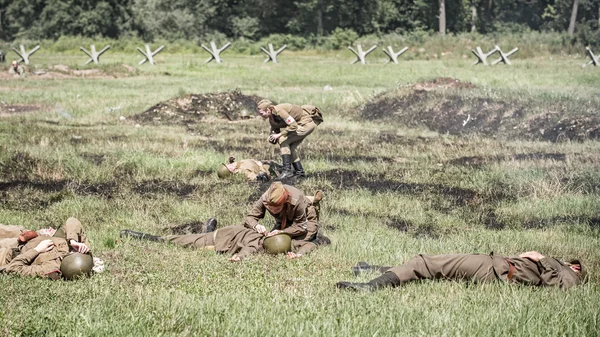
408 164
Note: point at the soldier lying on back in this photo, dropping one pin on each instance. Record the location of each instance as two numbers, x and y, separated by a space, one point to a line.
531 268
45 253
238 241
254 170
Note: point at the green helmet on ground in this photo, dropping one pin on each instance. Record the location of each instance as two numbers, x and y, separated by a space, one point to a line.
223 172
76 265
278 244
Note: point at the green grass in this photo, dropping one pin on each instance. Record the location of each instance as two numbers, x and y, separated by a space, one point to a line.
390 192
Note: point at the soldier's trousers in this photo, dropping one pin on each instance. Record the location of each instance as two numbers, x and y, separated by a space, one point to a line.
8 240
196 241
293 139
467 267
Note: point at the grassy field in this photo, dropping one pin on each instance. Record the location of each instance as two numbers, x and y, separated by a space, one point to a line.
393 188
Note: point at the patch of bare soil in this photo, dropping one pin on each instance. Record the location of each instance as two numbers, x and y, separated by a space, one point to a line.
454 114
229 105
7 110
478 161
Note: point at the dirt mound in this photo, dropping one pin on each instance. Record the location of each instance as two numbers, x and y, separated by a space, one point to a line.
229 105
7 110
442 83
457 114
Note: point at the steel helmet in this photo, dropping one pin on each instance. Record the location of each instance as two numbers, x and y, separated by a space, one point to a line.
75 265
278 244
223 172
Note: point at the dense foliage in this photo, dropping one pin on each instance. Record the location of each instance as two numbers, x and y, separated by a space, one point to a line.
256 19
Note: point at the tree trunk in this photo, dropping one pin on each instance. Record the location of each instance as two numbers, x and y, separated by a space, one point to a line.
320 19
573 17
473 17
442 17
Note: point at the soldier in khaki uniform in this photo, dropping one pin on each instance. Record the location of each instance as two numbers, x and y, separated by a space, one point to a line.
30 253
294 213
254 170
238 241
531 268
290 124
16 69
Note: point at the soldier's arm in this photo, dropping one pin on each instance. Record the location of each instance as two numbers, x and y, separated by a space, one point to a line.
22 265
257 212
246 251
291 123
298 227
304 247
74 231
250 175
553 273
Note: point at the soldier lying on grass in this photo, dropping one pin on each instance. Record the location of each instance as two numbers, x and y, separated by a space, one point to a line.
238 241
47 253
254 170
531 268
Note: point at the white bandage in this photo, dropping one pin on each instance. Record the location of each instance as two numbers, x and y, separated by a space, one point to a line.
290 120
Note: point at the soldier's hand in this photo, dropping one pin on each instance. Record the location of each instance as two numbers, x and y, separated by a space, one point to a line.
273 137
292 255
79 247
44 246
235 258
260 229
275 232
533 256
47 231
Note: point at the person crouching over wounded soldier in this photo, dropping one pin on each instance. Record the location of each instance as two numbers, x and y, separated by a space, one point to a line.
48 253
254 170
295 214
290 124
237 241
531 268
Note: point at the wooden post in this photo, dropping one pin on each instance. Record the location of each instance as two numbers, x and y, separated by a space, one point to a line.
594 59
94 56
2 57
394 56
504 57
360 54
215 53
149 55
24 55
272 53
481 56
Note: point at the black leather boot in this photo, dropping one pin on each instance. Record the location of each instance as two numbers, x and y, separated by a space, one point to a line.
287 171
210 225
299 170
139 235
364 267
386 280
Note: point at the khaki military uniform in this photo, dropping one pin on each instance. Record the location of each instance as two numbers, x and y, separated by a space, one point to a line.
252 168
485 268
294 124
19 71
28 262
299 219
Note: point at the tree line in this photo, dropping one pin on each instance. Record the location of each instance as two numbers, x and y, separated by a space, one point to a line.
256 19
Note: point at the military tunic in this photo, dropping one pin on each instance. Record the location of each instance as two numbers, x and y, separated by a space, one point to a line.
29 262
485 268
19 71
252 168
294 124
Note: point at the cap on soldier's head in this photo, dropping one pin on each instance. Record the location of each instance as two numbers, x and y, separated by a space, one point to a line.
276 194
264 104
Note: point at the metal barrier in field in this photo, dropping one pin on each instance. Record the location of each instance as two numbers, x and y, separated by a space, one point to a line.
2 57
360 54
481 56
504 57
394 56
149 55
594 58
272 53
93 54
24 55
215 53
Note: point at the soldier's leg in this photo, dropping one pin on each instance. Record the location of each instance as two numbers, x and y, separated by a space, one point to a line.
73 230
197 241
286 155
474 267
6 255
312 223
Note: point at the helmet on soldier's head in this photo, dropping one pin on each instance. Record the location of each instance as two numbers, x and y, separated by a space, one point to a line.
75 265
278 244
223 172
